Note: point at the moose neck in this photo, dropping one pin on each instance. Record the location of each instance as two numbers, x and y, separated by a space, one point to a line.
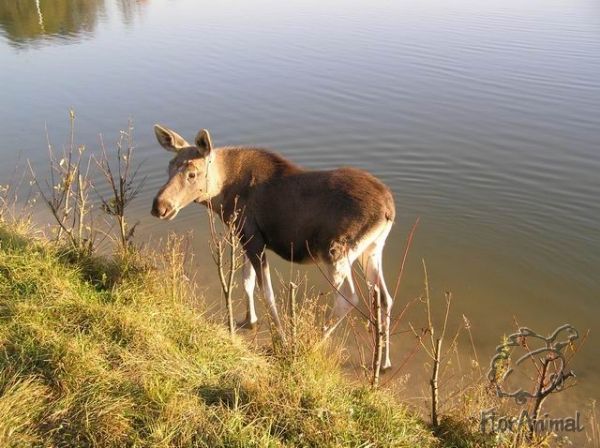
237 171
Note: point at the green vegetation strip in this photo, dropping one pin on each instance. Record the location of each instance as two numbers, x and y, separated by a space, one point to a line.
102 352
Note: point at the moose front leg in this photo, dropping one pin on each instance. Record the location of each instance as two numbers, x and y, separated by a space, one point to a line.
263 277
254 248
249 280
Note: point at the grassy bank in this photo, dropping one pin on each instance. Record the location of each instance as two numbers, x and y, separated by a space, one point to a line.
99 352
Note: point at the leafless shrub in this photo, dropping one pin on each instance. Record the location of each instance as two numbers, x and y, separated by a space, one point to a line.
123 182
227 254
66 193
433 345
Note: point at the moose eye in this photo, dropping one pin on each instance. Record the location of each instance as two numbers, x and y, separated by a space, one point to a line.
191 175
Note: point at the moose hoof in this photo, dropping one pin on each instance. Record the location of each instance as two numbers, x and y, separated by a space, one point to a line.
386 366
247 324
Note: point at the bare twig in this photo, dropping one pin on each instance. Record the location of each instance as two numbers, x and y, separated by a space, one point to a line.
405 255
434 382
378 334
293 318
467 323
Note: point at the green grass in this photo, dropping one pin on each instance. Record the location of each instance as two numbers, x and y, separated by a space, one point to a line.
102 352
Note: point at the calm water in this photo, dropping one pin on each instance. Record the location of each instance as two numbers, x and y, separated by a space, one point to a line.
484 118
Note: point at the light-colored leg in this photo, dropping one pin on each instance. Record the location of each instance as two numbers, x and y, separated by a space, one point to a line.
345 294
261 265
249 280
270 295
387 307
373 266
255 252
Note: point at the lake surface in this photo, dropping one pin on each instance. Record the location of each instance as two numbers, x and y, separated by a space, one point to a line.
483 117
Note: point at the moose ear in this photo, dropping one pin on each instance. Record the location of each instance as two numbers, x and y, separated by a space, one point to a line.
168 139
203 142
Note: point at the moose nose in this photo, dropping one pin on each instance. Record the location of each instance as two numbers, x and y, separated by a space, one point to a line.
160 209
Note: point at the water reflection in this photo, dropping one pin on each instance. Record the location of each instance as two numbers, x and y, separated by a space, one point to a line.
130 9
30 22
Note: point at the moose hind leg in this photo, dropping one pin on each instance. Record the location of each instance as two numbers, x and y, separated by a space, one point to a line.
267 288
387 308
345 294
373 266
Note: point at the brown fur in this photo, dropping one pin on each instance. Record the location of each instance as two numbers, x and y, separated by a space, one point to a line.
298 213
